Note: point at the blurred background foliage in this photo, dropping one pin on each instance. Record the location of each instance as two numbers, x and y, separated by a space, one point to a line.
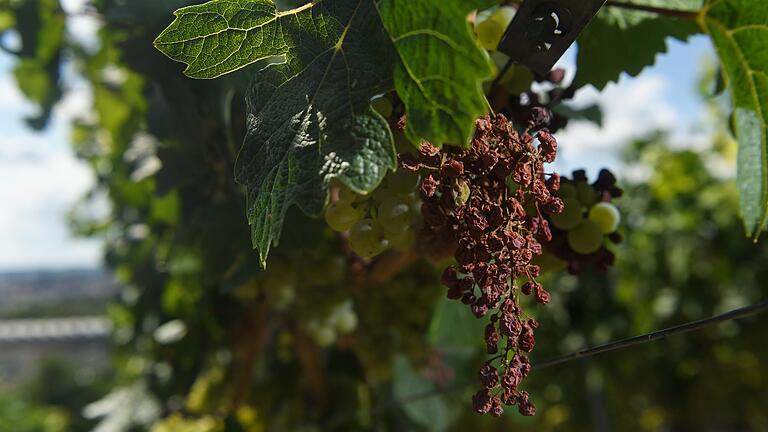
206 342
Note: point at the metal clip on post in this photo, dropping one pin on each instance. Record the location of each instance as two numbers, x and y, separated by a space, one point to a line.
542 31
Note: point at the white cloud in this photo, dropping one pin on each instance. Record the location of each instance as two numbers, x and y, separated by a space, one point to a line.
41 181
632 108
35 203
81 25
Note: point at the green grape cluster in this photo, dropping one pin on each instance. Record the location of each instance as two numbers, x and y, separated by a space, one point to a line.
585 220
382 220
341 320
588 221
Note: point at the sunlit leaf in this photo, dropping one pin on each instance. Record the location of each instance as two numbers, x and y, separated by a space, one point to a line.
739 30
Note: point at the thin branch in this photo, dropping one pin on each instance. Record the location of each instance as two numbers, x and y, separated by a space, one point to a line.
623 343
310 365
675 13
253 332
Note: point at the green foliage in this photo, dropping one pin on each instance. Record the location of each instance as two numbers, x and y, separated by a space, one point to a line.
431 414
310 119
21 416
334 56
51 400
40 27
739 30
207 340
624 41
440 67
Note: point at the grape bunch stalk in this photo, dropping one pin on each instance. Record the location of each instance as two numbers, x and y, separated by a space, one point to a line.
490 200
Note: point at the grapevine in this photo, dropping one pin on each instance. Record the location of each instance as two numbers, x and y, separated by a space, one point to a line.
320 209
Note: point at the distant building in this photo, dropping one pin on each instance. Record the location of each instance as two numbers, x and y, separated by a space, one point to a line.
46 290
53 315
25 342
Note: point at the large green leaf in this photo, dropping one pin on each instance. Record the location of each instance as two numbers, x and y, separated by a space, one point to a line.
621 40
438 71
309 117
431 413
309 111
739 30
440 67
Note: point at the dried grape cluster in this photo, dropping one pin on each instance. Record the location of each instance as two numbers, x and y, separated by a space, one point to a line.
489 203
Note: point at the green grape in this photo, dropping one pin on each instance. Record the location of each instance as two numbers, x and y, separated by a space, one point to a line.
402 241
549 263
567 190
348 196
403 181
585 238
366 240
343 318
382 192
518 80
346 322
340 216
382 106
394 215
499 61
324 335
489 33
606 216
586 194
571 215
503 15
414 203
491 30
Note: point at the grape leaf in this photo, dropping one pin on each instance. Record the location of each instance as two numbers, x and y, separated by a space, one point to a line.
440 69
432 414
438 72
739 31
309 116
620 40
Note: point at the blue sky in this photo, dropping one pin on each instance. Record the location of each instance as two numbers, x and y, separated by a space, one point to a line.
40 179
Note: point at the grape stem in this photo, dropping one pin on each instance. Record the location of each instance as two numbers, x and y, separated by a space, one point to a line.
675 13
310 364
254 331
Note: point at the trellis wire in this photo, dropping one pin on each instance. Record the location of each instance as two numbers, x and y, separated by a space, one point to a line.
589 352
